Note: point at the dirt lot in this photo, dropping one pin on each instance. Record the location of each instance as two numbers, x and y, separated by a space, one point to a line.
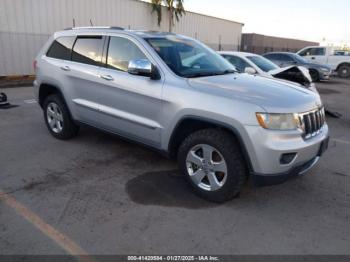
97 194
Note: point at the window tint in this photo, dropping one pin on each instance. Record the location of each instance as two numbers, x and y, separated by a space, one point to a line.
237 62
317 51
189 58
304 52
279 57
61 48
88 50
313 51
262 63
121 51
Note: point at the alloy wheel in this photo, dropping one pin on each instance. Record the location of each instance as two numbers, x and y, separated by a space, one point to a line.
54 117
206 167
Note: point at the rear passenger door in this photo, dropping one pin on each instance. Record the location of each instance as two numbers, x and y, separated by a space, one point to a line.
131 105
83 77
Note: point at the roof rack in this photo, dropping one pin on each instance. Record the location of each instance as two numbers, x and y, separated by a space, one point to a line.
95 27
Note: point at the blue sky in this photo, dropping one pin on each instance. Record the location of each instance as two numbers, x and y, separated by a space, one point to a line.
312 20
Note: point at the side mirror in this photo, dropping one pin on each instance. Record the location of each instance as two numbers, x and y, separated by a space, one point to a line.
250 70
143 67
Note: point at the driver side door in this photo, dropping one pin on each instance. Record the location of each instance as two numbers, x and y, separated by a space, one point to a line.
130 105
315 55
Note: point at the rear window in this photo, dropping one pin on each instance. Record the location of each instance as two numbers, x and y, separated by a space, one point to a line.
88 50
279 57
61 48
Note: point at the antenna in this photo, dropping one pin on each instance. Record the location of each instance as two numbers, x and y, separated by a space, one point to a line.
73 22
91 23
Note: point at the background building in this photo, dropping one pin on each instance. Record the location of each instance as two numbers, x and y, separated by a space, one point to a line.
260 44
25 25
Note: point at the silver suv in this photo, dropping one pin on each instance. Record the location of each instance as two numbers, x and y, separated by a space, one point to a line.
175 94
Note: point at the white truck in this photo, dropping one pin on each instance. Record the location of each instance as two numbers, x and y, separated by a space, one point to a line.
327 55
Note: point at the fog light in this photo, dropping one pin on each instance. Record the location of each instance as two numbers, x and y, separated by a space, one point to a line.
287 158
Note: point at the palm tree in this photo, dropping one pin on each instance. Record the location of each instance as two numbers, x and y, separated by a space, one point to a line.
175 8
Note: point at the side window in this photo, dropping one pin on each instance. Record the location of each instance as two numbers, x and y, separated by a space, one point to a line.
285 58
318 51
305 52
61 48
314 51
120 52
88 50
279 57
237 62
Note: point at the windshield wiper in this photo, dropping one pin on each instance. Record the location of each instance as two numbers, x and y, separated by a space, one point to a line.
201 74
228 71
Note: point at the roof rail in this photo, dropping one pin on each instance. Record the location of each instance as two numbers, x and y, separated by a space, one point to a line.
95 27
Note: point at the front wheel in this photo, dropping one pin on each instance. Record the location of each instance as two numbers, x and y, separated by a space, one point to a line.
212 163
315 75
58 119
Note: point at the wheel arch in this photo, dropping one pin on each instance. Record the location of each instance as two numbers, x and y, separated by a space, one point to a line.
342 64
189 124
45 90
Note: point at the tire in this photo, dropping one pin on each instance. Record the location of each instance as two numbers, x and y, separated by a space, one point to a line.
344 71
58 119
3 97
227 184
315 75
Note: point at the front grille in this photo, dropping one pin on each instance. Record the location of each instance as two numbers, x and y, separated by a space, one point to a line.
312 122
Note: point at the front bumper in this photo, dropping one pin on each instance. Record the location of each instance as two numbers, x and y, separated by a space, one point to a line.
269 146
327 75
265 180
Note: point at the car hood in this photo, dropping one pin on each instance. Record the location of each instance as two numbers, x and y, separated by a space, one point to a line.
271 94
296 74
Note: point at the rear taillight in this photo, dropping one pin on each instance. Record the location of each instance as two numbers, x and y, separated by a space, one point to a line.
35 66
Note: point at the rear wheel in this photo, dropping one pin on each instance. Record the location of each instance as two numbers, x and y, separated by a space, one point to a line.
212 163
344 71
58 119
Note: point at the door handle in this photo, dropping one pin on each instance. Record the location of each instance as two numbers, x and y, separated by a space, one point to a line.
65 68
313 58
107 77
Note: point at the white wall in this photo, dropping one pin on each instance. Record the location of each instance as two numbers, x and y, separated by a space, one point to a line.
25 25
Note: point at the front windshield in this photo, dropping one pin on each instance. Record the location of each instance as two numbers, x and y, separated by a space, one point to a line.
188 58
299 59
263 63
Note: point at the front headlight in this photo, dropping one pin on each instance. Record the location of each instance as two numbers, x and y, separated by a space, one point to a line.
325 69
278 121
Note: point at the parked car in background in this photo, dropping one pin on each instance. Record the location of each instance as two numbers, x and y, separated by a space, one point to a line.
249 63
341 52
317 71
336 60
258 65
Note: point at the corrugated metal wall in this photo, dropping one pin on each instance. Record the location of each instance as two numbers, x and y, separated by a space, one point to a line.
25 25
261 44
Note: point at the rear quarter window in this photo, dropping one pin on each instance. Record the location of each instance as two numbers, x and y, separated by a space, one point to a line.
61 48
